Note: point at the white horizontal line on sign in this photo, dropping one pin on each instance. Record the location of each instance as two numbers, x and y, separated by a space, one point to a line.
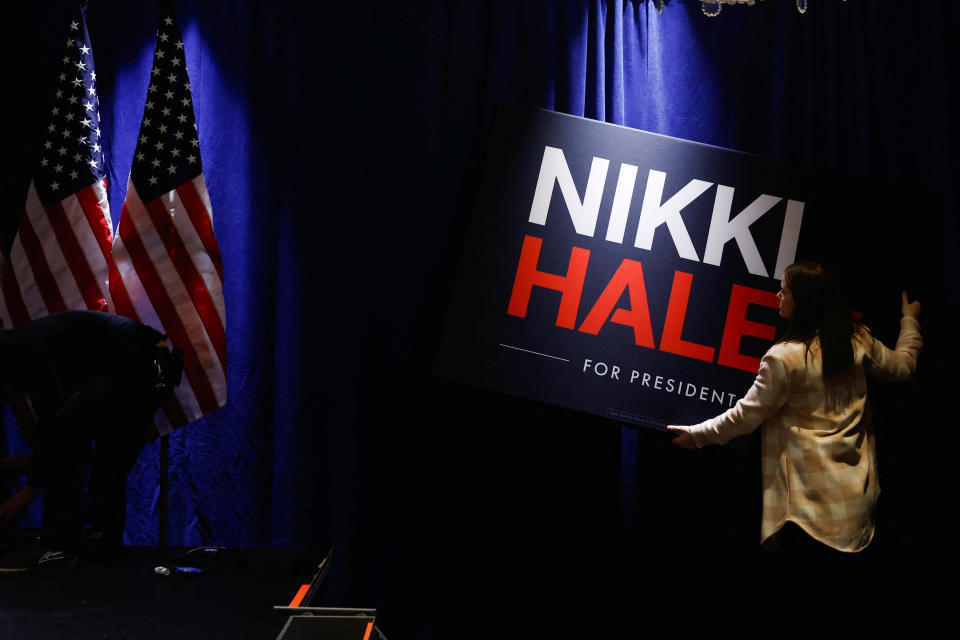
536 353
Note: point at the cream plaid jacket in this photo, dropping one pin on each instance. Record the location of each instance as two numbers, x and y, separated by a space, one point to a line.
819 466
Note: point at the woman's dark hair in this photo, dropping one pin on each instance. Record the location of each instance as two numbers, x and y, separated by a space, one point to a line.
819 312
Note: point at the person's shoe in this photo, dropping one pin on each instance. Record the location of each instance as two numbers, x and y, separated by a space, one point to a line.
36 558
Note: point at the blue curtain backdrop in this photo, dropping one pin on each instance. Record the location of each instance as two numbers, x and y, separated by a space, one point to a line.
342 146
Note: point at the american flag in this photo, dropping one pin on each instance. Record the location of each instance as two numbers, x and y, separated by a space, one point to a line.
169 270
60 254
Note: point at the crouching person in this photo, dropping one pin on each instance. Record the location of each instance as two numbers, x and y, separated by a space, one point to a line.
94 381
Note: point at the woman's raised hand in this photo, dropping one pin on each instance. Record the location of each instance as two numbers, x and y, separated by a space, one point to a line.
910 309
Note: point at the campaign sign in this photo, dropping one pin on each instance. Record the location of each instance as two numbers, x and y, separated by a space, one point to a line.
623 273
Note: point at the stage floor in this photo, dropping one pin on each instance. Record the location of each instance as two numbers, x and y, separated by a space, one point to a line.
124 599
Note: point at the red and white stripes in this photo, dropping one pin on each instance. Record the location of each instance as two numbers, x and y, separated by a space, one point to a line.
163 268
60 258
169 275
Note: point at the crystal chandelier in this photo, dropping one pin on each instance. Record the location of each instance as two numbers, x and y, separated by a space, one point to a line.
712 8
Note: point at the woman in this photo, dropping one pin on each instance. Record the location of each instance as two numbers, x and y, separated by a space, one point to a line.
819 460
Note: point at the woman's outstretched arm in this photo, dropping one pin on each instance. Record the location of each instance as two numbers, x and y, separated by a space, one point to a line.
769 392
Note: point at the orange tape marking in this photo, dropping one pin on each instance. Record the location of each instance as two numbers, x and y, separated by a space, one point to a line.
297 599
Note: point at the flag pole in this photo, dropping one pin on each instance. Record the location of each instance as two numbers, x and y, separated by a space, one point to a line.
164 502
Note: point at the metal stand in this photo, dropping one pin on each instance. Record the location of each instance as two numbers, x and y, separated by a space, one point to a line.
326 623
164 499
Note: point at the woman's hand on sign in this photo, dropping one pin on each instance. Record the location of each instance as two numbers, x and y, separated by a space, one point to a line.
683 440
